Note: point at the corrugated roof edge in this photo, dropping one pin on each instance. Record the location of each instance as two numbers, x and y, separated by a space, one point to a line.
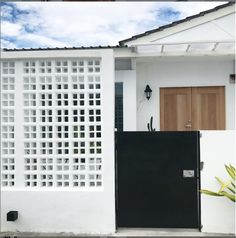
66 48
122 42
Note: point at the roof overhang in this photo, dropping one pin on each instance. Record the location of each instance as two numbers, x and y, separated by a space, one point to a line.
209 48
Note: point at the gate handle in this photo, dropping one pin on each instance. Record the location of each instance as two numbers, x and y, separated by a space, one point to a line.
188 174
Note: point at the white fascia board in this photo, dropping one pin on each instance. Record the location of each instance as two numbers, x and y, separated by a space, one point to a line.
124 52
42 54
182 26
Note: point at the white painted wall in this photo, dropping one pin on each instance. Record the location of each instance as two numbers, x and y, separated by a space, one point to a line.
59 209
83 212
128 78
217 148
181 72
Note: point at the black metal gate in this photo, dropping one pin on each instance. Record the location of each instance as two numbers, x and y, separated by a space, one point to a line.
158 179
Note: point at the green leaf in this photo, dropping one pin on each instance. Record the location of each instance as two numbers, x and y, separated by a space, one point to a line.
208 192
231 171
220 181
231 189
229 196
232 168
223 184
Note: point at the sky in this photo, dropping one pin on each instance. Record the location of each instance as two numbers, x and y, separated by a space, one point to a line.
74 24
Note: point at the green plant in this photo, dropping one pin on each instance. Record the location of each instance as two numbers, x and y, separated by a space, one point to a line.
227 188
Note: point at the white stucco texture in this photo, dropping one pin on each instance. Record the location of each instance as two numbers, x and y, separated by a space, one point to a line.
85 212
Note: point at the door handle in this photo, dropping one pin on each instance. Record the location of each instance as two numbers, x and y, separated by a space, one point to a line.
188 124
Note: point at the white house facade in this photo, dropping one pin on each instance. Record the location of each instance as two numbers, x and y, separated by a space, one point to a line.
58 120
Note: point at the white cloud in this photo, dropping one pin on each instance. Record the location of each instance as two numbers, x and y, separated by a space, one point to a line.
7 44
191 8
10 29
6 11
76 23
44 41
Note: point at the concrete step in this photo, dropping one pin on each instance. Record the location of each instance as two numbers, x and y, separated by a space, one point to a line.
121 232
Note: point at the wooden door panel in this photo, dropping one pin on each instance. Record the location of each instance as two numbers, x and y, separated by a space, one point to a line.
175 108
196 108
208 108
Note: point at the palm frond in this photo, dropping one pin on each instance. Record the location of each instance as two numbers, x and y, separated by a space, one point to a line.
229 185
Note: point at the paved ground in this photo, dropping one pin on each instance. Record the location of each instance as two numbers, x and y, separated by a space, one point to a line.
122 233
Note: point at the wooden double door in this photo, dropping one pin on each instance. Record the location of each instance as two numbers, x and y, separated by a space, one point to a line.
192 108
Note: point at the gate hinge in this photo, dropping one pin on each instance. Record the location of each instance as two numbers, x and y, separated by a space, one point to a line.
201 165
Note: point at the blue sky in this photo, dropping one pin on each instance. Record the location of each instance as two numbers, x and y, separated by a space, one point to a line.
60 24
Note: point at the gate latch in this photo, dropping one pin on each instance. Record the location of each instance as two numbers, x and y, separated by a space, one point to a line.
188 173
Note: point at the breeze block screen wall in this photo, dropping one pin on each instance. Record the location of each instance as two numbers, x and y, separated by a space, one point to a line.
57 141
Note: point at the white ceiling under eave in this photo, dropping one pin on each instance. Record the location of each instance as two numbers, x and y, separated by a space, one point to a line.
207 48
187 48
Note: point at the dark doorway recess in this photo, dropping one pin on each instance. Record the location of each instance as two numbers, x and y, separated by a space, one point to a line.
119 106
158 179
